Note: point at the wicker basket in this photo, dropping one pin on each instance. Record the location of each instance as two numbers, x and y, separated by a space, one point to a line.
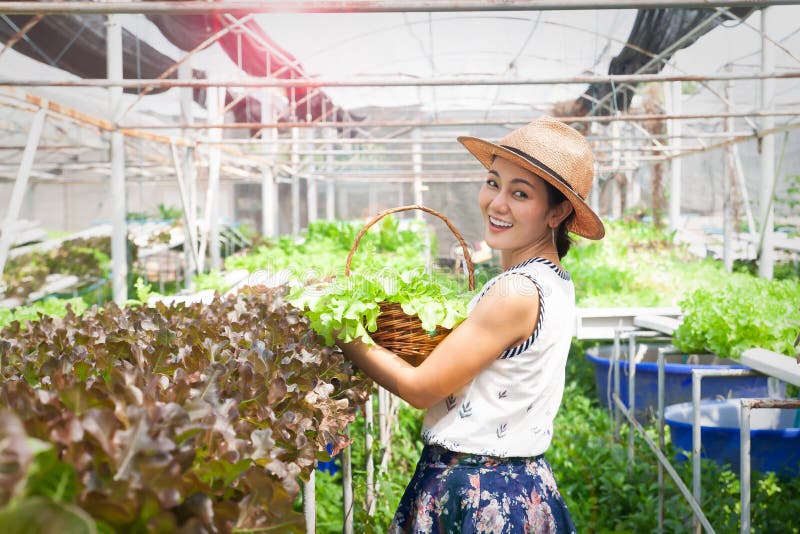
400 333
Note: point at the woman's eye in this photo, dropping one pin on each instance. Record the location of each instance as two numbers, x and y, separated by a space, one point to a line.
520 194
491 183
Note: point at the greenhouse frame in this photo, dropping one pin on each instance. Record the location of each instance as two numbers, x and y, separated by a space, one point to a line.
248 122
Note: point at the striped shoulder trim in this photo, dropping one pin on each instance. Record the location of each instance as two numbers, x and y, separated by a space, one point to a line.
564 275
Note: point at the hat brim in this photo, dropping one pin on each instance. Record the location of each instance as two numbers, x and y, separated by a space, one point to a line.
585 223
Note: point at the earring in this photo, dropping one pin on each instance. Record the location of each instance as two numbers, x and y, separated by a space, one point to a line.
553 233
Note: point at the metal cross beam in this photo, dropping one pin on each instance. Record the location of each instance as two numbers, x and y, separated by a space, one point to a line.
200 7
397 81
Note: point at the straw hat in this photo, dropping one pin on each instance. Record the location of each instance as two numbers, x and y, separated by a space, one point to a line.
555 152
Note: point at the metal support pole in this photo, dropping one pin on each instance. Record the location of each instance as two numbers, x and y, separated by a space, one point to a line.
594 194
347 487
662 459
269 191
188 216
674 127
744 449
661 441
744 466
616 163
310 503
615 369
631 390
370 460
268 195
416 158
766 258
697 377
330 181
295 162
117 192
740 181
214 162
696 442
187 180
8 231
311 185
727 200
383 417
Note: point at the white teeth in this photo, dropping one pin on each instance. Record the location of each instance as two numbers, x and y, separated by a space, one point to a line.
498 222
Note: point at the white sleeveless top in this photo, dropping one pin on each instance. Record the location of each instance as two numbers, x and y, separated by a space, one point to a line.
509 407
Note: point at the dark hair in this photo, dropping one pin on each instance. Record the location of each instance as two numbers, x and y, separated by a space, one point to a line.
562 238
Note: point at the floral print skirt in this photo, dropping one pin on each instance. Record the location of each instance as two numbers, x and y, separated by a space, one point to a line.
453 492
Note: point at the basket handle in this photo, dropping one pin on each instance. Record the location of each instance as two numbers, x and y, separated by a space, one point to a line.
381 215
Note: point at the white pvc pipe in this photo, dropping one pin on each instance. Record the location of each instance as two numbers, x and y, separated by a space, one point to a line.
416 158
767 252
616 163
310 503
370 460
744 466
188 218
696 440
330 182
117 192
311 187
269 191
674 126
7 232
214 162
727 197
347 487
295 162
631 392
186 179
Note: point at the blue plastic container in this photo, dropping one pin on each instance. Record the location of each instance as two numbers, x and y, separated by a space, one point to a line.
678 379
775 440
330 466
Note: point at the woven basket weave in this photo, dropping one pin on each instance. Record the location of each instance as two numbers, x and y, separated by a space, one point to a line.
398 332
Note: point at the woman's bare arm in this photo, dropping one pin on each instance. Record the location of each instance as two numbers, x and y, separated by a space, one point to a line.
503 318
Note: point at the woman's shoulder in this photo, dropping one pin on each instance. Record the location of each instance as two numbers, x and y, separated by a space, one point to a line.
511 285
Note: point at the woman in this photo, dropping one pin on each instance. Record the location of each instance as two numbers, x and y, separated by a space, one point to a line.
493 386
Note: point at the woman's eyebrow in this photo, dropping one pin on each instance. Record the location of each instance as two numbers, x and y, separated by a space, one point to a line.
513 180
522 181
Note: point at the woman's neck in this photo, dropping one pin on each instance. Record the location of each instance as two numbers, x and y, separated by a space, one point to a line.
510 258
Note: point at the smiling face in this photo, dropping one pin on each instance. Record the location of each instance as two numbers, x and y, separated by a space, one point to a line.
517 213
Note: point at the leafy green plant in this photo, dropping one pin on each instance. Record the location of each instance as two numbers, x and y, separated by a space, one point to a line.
744 313
169 213
321 251
791 198
636 264
211 280
136 216
143 293
44 308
